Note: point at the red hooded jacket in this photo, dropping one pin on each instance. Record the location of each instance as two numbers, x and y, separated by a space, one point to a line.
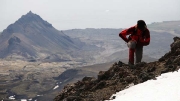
141 37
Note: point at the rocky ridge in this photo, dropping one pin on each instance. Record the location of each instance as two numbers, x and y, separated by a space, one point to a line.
119 77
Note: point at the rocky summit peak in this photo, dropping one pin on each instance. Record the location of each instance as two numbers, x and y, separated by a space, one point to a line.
30 12
29 20
30 17
32 31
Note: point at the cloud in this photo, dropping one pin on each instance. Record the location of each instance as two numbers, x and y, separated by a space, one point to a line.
107 10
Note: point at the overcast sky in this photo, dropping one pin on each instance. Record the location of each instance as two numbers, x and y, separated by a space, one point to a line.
71 14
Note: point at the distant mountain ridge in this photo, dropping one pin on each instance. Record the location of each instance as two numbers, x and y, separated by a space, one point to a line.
32 37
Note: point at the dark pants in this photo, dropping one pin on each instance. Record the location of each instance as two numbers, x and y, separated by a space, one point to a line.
137 50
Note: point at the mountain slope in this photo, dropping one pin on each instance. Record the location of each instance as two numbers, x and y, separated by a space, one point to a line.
32 37
120 76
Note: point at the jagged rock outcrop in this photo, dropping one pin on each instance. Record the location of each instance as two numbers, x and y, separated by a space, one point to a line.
119 77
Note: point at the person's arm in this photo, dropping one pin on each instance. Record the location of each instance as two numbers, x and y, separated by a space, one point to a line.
147 38
126 32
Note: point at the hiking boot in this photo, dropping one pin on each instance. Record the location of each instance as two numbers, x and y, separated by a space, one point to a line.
131 65
140 64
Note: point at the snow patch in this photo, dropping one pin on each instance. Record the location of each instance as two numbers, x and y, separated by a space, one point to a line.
56 87
39 95
165 88
12 97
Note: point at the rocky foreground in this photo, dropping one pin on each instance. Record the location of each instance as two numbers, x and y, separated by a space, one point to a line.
119 77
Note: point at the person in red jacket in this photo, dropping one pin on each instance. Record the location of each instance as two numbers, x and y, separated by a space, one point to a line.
138 36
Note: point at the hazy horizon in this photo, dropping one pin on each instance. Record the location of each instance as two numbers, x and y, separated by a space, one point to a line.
82 14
